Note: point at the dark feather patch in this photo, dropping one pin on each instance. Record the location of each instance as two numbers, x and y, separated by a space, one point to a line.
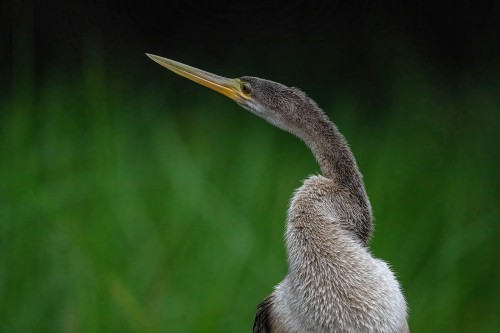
263 318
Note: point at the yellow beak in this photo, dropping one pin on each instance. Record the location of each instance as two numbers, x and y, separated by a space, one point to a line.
228 87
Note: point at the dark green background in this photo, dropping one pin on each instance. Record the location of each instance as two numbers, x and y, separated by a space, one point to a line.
132 200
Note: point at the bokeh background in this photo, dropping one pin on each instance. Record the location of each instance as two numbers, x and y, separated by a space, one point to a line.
132 200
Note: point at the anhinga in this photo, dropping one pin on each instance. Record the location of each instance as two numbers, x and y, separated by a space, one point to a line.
334 284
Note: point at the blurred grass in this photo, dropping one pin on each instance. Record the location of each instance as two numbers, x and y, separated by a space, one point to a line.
128 208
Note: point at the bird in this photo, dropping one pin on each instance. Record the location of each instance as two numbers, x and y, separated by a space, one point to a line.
333 284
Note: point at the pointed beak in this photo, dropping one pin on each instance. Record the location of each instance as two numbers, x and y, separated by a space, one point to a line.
228 87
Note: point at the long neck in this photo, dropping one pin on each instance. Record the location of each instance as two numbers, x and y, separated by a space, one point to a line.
337 163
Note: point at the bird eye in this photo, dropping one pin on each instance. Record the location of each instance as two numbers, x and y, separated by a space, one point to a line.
246 88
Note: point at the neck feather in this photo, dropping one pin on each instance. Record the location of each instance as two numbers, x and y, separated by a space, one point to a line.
334 156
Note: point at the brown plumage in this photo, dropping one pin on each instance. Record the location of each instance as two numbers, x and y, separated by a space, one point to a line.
334 284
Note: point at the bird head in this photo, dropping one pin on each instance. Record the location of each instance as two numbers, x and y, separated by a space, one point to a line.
285 107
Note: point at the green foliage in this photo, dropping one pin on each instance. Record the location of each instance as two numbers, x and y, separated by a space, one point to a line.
125 210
